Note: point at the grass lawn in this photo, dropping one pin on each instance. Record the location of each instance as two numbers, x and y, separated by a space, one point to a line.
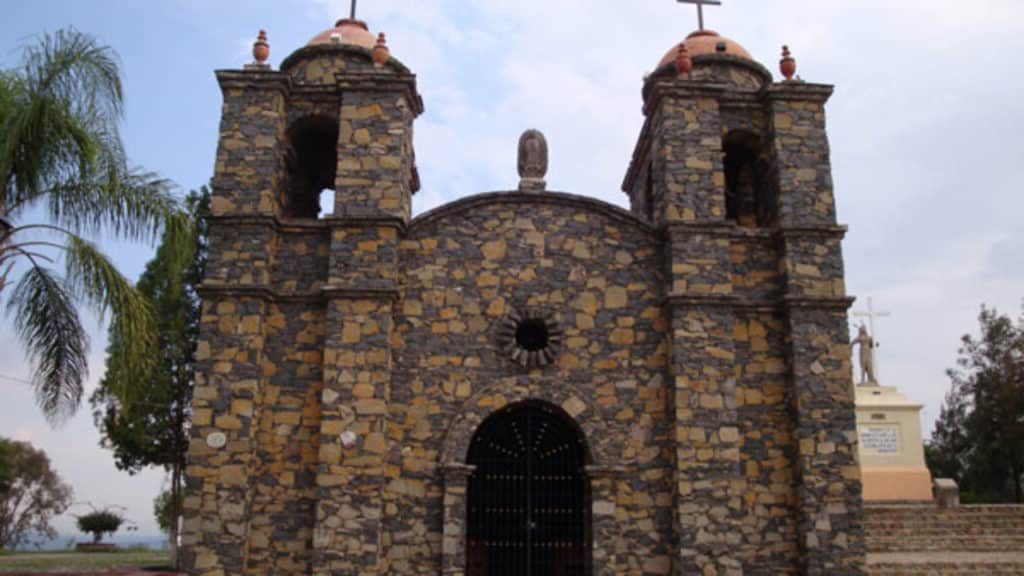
71 561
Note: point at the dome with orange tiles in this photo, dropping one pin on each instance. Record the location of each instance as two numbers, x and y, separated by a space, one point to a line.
346 31
704 42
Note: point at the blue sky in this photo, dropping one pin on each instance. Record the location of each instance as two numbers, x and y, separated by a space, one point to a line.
924 132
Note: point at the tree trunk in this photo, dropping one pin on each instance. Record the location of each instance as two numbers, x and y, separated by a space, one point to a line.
1017 489
175 513
176 484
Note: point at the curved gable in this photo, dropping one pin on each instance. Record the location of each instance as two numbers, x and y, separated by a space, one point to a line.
582 204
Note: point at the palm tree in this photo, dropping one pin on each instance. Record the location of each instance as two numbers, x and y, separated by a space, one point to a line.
62 161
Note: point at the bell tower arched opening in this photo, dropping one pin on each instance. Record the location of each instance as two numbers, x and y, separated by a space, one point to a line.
528 511
312 165
748 198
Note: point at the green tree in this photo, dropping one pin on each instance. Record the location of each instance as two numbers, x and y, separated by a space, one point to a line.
162 510
6 467
151 427
979 435
35 495
100 522
61 157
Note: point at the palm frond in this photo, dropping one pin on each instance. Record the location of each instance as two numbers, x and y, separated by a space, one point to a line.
132 204
95 279
46 321
75 67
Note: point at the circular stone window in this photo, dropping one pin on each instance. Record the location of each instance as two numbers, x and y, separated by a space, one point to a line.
530 337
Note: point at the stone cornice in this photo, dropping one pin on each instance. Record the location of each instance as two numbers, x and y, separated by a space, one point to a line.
254 80
658 89
835 231
515 197
691 299
758 304
311 297
796 90
334 292
819 302
279 224
721 229
732 230
235 291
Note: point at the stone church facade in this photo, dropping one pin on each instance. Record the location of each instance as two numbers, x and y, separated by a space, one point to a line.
522 382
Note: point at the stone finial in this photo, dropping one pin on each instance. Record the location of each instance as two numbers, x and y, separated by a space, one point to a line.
788 64
260 52
684 63
533 161
261 48
381 53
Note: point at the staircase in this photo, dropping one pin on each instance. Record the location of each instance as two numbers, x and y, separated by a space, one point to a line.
914 539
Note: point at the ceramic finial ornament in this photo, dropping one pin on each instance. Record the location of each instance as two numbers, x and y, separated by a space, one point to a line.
381 53
261 48
684 64
788 64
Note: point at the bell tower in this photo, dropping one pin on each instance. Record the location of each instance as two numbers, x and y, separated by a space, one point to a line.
734 169
294 353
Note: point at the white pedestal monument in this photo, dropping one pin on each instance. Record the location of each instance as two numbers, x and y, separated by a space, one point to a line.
889 430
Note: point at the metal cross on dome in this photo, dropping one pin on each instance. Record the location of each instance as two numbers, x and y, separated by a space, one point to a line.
700 8
353 13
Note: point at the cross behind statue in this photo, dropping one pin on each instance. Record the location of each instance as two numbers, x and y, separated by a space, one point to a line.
700 8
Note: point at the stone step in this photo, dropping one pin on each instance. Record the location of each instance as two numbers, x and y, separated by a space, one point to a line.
921 528
946 564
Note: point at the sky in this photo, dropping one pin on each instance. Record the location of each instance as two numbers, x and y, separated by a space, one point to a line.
923 126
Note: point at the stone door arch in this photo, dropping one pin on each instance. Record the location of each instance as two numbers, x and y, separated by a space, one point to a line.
599 475
528 498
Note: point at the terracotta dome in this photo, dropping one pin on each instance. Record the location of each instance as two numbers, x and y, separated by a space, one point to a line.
706 42
351 32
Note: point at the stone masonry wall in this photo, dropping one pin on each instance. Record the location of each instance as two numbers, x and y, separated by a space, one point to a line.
597 271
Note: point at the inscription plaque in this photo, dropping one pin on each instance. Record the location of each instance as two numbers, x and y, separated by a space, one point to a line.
880 439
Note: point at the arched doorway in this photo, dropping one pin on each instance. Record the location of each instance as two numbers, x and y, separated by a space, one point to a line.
528 509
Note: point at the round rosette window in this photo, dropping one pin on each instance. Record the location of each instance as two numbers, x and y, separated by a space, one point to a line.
530 337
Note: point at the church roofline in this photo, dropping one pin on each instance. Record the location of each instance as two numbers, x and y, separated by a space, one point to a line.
515 197
316 50
669 70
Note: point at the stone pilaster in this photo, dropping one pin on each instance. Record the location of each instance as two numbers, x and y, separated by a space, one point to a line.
453 544
607 534
686 164
372 205
796 115
249 172
689 194
226 405
375 150
230 355
829 492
